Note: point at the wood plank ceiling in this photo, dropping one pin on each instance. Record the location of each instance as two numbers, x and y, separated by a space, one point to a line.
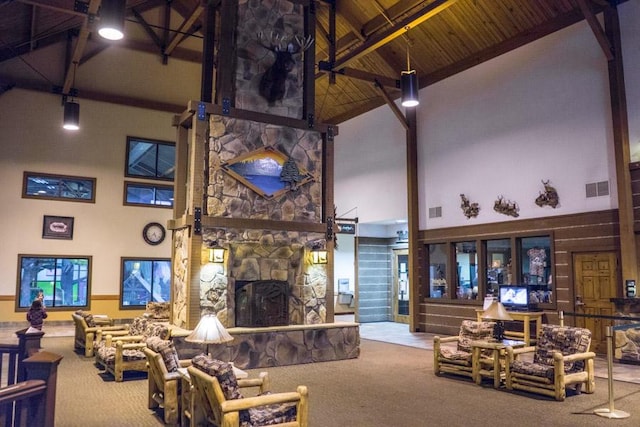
372 37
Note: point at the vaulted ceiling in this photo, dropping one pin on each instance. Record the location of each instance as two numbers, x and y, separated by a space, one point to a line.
357 73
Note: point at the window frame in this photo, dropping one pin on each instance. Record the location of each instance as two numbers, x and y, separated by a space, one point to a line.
49 306
155 187
514 270
122 279
157 142
29 174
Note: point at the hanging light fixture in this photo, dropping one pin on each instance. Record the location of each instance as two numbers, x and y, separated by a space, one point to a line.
409 83
71 119
112 13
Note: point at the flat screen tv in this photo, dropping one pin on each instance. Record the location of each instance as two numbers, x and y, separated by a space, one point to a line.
514 297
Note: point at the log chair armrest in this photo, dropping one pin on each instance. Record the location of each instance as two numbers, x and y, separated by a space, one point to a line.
268 399
184 363
575 357
446 339
130 346
171 376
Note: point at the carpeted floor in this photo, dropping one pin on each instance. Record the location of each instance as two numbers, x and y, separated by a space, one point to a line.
389 385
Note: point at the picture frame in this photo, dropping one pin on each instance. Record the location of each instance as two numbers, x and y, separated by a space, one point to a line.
57 227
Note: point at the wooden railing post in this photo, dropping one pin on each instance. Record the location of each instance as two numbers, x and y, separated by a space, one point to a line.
44 366
28 344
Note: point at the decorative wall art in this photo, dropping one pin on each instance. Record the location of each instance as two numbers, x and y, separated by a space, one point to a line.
506 207
549 197
57 227
267 171
469 209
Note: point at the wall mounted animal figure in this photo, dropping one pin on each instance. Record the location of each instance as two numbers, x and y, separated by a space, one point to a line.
273 81
469 209
549 197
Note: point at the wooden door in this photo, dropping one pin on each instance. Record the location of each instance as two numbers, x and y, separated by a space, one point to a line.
401 295
595 276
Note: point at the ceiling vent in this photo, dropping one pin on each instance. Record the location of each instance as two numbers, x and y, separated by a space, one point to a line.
597 189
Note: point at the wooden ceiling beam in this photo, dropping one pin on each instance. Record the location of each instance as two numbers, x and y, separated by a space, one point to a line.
392 105
393 13
56 6
147 28
597 29
94 5
186 25
395 31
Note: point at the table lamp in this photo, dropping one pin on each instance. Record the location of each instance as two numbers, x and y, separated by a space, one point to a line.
497 312
209 331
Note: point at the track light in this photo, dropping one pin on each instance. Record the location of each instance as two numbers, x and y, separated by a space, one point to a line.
112 14
71 115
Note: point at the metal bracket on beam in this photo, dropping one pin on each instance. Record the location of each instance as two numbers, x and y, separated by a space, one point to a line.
310 120
226 106
330 228
197 220
202 111
330 134
80 6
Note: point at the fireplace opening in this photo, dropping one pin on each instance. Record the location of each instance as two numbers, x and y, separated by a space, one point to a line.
262 303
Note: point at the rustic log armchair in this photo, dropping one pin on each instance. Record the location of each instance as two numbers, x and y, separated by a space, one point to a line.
220 403
117 354
561 358
458 360
88 326
164 378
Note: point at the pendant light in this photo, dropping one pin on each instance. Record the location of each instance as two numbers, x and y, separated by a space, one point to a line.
112 13
71 108
409 83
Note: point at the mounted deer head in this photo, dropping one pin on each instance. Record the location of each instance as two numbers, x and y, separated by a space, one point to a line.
273 81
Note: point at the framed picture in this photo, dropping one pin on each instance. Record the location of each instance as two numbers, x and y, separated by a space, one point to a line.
57 227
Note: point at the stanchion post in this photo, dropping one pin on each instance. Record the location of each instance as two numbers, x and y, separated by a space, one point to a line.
610 412
561 317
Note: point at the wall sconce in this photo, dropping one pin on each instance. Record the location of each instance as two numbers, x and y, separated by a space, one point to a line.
216 255
112 13
319 256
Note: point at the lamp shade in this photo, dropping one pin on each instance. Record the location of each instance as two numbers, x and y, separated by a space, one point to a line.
111 25
71 115
209 330
409 85
496 311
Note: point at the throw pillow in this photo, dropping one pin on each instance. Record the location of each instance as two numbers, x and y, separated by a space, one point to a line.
223 371
169 355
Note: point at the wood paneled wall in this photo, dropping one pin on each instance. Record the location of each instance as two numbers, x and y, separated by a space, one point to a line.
585 232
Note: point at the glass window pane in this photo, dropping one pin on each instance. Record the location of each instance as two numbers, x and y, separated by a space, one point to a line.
58 187
498 265
145 280
150 195
535 268
438 271
466 270
166 161
64 282
150 159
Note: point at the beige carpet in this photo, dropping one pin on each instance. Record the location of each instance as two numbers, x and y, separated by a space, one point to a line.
389 385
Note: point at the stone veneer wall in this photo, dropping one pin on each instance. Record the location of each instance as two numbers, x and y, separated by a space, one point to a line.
180 261
280 17
265 255
230 138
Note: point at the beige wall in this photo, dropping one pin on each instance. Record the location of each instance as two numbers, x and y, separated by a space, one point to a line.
32 139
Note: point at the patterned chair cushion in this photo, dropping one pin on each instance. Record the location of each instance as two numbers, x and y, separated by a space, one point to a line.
451 354
108 355
535 369
565 339
270 414
155 330
223 371
138 326
473 331
167 351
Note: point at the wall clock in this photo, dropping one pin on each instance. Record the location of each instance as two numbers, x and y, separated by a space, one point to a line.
153 233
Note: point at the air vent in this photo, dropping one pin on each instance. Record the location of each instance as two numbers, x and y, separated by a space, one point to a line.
597 189
435 212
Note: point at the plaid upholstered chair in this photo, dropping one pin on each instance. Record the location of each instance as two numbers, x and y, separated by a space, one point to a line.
458 360
219 401
88 327
561 358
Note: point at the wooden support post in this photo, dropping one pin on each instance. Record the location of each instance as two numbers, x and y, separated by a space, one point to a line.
44 366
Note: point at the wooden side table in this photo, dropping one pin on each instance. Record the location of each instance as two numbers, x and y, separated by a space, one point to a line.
496 370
